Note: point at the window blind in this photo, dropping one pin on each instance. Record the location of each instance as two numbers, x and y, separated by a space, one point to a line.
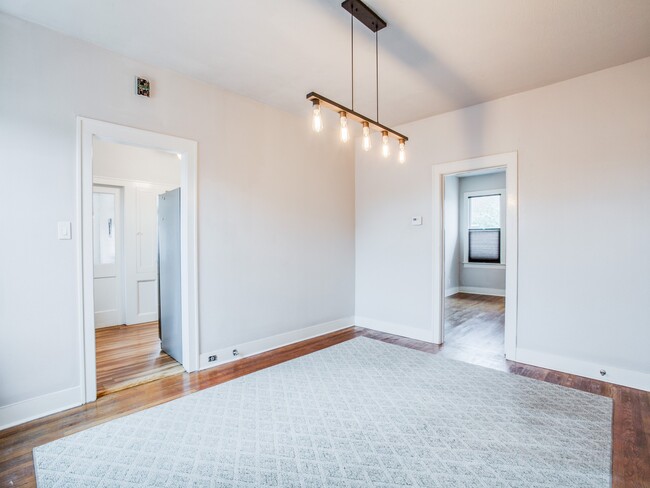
484 246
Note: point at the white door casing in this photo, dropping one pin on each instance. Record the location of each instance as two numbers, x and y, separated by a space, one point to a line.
509 162
187 151
107 256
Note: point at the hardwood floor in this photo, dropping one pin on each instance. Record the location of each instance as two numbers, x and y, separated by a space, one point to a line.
631 422
128 355
474 329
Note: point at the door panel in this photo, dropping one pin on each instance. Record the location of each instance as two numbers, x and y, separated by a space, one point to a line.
169 246
141 256
147 297
147 238
107 247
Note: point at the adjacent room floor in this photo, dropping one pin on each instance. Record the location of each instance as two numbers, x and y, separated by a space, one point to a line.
474 329
128 355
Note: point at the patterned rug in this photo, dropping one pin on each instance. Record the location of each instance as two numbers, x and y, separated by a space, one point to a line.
359 414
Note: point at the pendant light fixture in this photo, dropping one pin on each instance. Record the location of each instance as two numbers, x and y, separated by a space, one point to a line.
345 134
360 11
317 120
366 136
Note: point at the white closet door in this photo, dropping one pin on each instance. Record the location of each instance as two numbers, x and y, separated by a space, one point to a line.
142 254
107 247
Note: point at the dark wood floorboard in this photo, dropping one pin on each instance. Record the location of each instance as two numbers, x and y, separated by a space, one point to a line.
631 423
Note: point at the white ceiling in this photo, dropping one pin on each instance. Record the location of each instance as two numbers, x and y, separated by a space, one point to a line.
435 55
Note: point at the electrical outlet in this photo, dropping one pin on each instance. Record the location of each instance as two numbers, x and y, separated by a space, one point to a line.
213 358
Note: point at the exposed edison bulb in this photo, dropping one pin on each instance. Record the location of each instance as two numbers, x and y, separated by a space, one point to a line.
317 121
366 136
345 133
385 150
402 151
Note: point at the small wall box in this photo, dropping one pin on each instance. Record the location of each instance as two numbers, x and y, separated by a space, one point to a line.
142 87
416 220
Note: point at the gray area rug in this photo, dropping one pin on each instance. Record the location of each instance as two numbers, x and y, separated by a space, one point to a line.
362 413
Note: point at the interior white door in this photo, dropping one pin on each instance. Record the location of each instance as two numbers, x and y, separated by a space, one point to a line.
141 263
107 247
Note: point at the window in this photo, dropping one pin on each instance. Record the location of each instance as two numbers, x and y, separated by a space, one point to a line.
484 244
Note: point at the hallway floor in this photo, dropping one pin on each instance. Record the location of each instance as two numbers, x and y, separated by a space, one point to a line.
129 355
474 329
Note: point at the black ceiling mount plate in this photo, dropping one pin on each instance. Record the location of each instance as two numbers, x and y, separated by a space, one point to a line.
364 14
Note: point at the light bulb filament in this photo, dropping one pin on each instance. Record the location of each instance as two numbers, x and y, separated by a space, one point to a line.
317 121
366 136
345 133
384 148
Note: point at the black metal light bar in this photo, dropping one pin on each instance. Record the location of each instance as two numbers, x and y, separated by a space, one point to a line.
351 114
364 14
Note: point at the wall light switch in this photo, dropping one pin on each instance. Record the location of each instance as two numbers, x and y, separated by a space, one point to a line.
65 230
416 220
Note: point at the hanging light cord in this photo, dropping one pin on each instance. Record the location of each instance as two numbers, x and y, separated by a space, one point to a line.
352 54
377 71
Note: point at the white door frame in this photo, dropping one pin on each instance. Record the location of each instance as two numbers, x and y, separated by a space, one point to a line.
87 130
509 162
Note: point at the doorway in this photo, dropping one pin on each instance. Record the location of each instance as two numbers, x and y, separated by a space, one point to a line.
124 174
136 207
475 258
474 217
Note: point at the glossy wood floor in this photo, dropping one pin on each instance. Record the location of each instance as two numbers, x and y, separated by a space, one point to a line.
631 422
129 355
474 329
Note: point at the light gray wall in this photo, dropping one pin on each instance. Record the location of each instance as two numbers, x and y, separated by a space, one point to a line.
489 278
584 191
452 236
275 205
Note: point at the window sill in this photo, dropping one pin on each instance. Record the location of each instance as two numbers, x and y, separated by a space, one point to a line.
484 265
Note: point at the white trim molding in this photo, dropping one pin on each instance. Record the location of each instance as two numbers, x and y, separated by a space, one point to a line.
483 265
40 406
479 290
458 168
247 349
187 150
452 291
615 375
396 329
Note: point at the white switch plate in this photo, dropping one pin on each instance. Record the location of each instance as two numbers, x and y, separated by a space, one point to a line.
416 220
65 230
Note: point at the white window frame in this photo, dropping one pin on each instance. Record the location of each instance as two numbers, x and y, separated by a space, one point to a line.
464 226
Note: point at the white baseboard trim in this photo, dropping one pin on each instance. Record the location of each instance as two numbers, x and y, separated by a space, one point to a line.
40 406
397 329
477 290
618 376
451 291
259 346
